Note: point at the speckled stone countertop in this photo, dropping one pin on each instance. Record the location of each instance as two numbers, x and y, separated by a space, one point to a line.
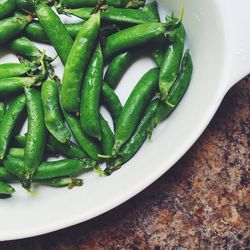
201 203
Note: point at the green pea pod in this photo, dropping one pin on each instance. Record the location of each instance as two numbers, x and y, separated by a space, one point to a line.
134 108
12 26
86 143
36 135
17 152
5 176
15 85
29 5
107 141
14 69
111 102
178 90
55 31
52 113
77 63
47 170
9 123
2 111
117 68
61 182
35 31
134 36
7 8
92 3
137 139
115 15
159 44
171 62
6 189
90 98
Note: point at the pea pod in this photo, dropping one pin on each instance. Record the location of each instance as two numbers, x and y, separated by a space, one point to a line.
17 152
52 113
7 8
15 85
2 111
35 31
115 15
14 69
171 62
55 31
117 68
107 141
111 102
92 3
6 189
86 143
77 63
90 98
137 139
36 135
12 26
135 36
29 5
159 44
178 89
134 108
5 176
47 170
9 123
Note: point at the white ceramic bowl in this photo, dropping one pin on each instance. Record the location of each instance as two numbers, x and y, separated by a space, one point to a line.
219 38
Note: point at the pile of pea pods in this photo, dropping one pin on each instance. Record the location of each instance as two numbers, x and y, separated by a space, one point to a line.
64 115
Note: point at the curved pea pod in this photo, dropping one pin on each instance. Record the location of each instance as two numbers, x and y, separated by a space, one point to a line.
5 176
111 102
35 31
171 62
134 36
117 68
159 44
12 26
86 143
15 85
130 148
7 8
2 111
52 113
36 135
134 108
177 91
55 31
107 141
90 98
115 15
6 189
77 63
9 123
48 170
14 69
93 3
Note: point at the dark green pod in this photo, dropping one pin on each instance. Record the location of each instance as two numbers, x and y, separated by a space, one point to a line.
107 141
36 135
6 189
29 5
7 8
117 68
5 176
12 26
2 111
90 98
134 108
9 123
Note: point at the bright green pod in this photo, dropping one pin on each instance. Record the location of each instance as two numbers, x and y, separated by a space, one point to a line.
77 63
36 135
14 69
9 123
12 26
17 152
55 31
5 176
29 5
7 8
6 189
108 139
90 98
2 111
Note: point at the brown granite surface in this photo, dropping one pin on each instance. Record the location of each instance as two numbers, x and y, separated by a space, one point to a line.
201 203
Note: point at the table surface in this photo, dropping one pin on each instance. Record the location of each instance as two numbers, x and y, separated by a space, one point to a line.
203 202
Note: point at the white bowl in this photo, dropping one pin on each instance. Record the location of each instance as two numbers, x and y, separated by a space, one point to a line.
219 38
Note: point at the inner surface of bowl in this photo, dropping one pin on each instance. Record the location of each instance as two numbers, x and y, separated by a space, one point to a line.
51 209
